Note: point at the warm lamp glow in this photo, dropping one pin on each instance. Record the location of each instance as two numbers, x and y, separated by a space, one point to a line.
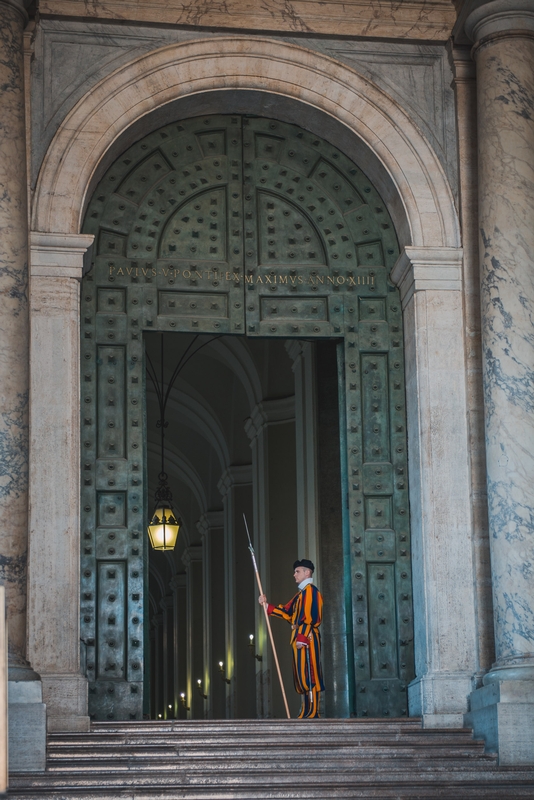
163 528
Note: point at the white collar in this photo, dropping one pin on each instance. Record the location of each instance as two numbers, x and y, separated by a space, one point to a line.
304 583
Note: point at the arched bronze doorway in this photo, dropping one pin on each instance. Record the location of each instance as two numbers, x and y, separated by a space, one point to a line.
243 226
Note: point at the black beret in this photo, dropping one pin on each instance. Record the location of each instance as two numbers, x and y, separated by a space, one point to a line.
305 562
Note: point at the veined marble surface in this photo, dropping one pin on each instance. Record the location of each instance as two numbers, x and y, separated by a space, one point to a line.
13 333
414 19
506 164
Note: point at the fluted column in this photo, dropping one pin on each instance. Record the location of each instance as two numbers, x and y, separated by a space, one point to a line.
503 33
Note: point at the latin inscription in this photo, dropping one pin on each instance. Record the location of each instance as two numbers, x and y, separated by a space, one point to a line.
288 279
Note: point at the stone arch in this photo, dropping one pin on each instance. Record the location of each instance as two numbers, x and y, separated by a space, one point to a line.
399 160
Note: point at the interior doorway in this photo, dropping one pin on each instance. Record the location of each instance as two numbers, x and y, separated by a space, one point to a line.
230 450
249 229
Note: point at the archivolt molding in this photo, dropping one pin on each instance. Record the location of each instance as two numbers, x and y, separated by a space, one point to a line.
242 62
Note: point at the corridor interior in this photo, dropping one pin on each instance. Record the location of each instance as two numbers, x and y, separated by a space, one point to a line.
252 428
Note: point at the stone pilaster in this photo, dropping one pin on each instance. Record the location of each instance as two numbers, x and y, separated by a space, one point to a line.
211 529
503 32
464 84
178 586
54 553
167 607
157 669
430 283
26 709
302 355
271 430
192 559
235 488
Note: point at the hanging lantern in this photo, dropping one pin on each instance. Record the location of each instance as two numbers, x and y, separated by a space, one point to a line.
164 527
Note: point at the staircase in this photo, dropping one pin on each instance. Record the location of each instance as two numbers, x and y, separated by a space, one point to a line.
218 760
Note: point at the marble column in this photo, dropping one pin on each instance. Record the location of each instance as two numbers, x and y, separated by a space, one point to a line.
445 634
503 33
26 709
3 694
57 262
14 328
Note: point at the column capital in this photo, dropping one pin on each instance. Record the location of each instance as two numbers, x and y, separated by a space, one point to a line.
269 412
420 269
462 63
192 554
210 520
234 476
498 18
58 255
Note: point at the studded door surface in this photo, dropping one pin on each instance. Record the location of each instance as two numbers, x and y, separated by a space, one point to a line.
233 225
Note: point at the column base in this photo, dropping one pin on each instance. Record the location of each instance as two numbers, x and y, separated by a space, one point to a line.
26 726
502 713
66 702
441 699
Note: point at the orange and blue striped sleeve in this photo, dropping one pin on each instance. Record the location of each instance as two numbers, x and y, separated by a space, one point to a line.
283 612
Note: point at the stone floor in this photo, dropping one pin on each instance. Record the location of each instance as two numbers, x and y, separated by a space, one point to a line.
218 760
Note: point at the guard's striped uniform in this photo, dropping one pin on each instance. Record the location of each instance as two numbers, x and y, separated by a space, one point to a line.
305 612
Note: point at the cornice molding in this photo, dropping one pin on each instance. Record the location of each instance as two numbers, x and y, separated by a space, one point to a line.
270 412
234 476
209 521
58 255
428 268
192 555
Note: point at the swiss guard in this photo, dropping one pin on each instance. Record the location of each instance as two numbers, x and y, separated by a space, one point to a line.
304 612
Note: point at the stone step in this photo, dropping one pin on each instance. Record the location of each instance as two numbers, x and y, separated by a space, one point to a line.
270 759
355 783
278 761
269 753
